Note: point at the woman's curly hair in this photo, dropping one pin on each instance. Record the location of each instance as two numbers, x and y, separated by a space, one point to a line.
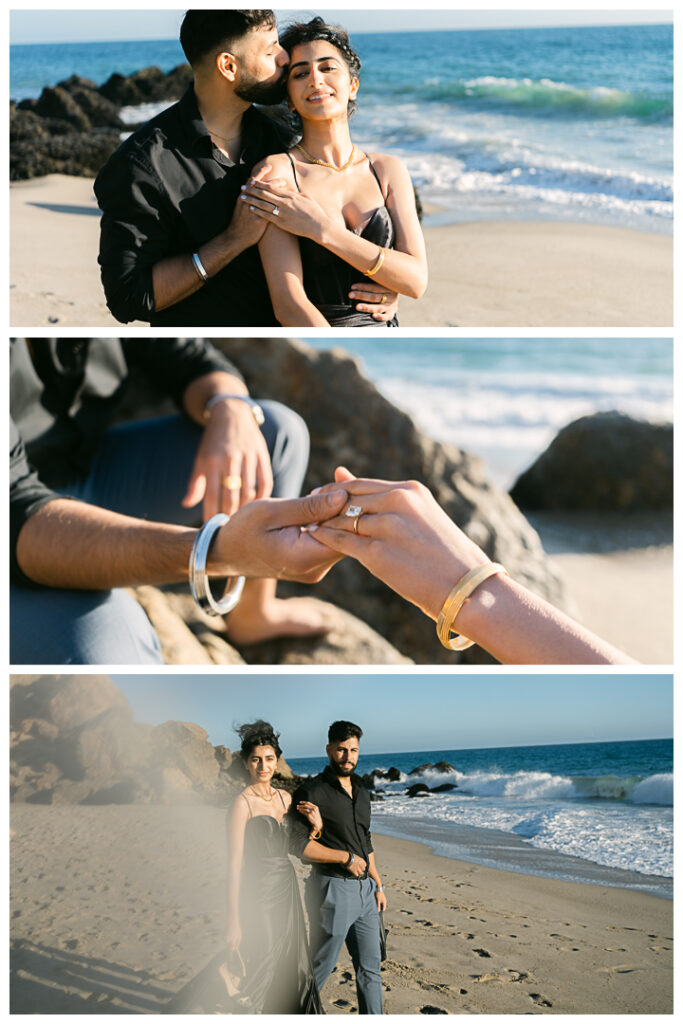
312 31
257 734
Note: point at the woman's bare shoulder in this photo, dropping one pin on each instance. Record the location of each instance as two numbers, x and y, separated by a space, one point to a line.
387 162
278 162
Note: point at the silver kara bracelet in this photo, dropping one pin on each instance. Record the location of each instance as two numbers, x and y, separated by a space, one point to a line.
256 410
199 267
200 585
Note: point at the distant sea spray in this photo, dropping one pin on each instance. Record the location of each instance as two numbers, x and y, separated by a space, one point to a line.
570 124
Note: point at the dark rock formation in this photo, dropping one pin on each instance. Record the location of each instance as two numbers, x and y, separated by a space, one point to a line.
416 789
73 740
394 774
74 127
421 769
445 787
444 767
607 461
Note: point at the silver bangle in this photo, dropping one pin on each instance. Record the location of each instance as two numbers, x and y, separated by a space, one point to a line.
256 410
200 585
199 267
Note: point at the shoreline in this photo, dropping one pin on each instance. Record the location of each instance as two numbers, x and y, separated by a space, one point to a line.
116 921
469 844
482 274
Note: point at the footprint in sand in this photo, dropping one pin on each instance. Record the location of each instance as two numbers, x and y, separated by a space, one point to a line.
406 912
658 949
539 999
500 976
620 969
481 952
614 949
431 1009
341 1003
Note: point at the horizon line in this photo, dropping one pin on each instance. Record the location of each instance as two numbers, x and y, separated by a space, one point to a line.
360 32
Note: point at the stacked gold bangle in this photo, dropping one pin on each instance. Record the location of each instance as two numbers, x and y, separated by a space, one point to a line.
456 599
374 269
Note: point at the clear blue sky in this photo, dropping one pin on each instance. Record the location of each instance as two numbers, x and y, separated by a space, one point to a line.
53 26
413 712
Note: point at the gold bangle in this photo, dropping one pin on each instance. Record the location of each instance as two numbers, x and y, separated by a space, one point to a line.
456 599
380 260
316 835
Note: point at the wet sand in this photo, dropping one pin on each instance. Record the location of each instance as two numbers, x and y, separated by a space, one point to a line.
115 908
486 274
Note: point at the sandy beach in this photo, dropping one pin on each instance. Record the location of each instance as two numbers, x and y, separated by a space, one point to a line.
127 908
483 274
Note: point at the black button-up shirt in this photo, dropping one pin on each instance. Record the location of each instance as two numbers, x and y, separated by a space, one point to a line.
65 393
166 191
346 819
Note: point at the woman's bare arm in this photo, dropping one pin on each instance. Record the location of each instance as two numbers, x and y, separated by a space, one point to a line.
404 269
237 823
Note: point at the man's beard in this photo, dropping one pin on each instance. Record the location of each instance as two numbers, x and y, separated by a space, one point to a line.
342 769
254 91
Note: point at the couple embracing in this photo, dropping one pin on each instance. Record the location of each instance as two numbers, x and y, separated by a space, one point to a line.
216 214
270 966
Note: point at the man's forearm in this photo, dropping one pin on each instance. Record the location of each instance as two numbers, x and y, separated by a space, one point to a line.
82 547
175 278
319 854
200 390
372 870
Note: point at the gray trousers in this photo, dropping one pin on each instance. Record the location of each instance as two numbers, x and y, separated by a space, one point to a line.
345 910
141 469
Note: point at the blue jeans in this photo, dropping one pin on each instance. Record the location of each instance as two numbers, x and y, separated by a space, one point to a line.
142 470
344 910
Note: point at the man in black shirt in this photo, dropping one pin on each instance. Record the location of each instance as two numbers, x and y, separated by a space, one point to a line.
176 248
344 891
97 507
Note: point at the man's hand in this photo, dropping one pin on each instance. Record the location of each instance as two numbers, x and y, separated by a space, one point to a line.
232 465
312 814
381 303
265 539
381 898
244 228
357 868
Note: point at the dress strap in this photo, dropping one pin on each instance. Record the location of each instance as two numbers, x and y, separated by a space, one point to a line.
282 800
244 797
379 183
296 180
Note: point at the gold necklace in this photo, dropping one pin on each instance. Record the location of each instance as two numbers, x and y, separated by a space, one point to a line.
261 797
324 163
225 138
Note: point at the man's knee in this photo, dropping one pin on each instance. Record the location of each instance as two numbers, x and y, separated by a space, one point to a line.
77 627
288 442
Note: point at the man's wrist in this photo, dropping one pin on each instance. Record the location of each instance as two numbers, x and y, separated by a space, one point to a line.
226 400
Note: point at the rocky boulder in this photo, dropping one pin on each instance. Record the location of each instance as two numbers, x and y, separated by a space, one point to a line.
346 415
417 789
421 769
607 461
73 740
60 104
75 153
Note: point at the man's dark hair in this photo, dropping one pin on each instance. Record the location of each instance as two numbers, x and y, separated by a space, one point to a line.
340 731
204 32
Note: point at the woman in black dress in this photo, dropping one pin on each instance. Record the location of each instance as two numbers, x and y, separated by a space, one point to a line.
267 965
355 212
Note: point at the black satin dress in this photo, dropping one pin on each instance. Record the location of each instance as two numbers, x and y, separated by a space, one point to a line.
328 278
278 970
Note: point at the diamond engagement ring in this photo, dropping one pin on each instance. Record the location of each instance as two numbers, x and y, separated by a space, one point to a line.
231 483
276 211
355 512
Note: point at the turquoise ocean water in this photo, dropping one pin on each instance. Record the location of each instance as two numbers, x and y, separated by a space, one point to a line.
592 812
572 124
504 399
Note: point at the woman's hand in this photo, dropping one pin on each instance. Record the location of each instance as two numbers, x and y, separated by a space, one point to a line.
232 465
312 814
297 213
233 934
404 538
265 539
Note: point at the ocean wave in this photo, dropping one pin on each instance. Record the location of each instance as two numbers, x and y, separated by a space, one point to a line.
545 96
524 785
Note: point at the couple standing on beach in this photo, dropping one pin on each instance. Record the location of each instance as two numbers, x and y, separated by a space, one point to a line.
216 215
269 966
